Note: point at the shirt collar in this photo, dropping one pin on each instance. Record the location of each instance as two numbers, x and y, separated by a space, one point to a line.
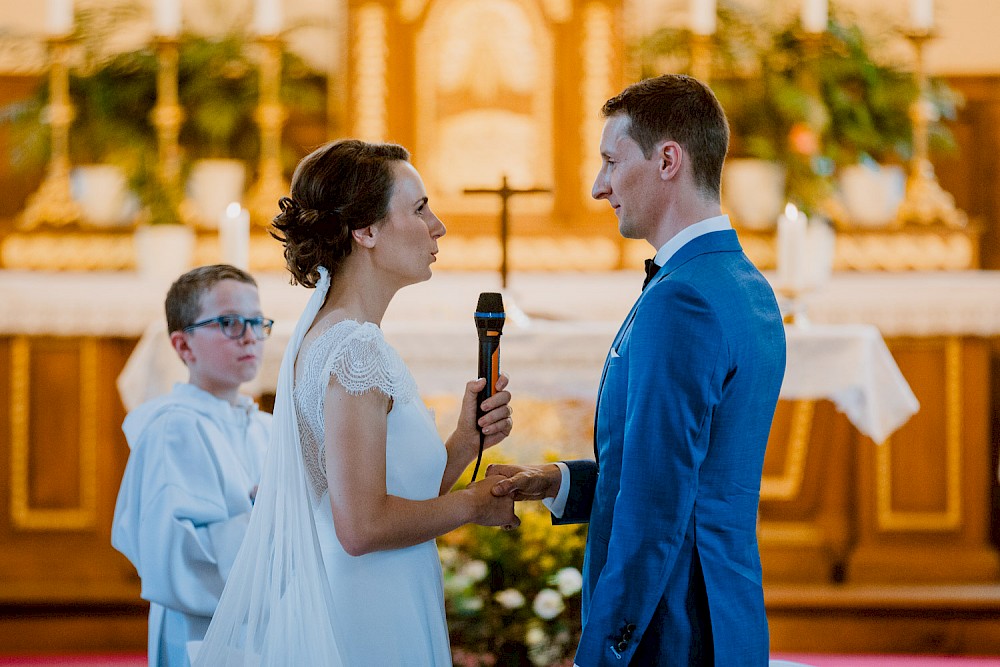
669 249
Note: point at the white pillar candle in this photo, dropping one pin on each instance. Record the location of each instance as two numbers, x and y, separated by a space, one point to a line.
815 14
267 17
703 17
167 17
59 17
821 244
791 243
922 14
234 236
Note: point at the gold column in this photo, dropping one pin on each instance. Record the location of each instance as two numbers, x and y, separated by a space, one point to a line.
262 199
53 202
925 202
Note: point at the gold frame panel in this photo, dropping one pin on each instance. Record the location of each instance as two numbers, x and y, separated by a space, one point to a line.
889 519
788 484
22 514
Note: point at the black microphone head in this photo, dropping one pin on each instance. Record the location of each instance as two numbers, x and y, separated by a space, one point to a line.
490 302
489 312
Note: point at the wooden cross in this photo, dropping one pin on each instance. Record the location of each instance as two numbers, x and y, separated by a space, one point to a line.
505 192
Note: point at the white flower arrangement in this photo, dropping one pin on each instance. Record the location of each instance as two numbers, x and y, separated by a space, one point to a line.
568 580
548 604
510 598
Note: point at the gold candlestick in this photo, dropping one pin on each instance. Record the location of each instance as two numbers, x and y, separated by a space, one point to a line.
53 203
701 57
925 201
167 117
262 199
167 114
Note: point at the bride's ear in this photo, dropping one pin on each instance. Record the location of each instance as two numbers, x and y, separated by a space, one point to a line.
365 237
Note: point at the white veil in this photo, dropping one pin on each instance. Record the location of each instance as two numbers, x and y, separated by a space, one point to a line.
276 610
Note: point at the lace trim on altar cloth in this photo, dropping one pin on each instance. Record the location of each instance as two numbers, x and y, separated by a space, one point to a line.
360 359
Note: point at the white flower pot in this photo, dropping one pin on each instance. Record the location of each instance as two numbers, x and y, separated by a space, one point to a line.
753 192
163 252
103 195
212 186
871 195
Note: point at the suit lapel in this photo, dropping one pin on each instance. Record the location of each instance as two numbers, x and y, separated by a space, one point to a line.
721 241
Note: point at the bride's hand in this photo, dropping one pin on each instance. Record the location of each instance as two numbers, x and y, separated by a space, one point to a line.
490 510
496 421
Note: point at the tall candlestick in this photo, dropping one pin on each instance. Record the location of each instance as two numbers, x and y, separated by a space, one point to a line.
234 236
59 17
815 14
167 18
703 17
922 15
267 17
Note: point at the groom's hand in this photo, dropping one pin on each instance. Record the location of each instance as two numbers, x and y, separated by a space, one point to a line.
526 482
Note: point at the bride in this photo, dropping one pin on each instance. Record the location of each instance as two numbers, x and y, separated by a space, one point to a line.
339 565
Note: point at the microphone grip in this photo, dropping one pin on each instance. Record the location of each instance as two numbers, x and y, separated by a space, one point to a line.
489 367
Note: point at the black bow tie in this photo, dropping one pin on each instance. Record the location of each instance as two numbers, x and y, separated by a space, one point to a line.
651 269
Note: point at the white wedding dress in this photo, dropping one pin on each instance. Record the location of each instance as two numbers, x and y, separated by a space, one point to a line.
294 598
388 606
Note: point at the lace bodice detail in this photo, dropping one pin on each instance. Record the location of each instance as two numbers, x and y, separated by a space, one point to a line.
360 359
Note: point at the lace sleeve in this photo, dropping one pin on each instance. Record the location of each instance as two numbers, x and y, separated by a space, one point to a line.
358 357
362 361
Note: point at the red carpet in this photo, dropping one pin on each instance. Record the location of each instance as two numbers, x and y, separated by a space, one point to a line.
818 660
815 660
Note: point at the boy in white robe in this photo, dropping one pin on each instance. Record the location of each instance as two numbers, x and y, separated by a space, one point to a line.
188 488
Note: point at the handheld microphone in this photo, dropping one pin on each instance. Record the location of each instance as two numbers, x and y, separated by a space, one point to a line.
489 317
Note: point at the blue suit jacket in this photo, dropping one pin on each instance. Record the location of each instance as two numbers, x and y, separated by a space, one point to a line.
672 571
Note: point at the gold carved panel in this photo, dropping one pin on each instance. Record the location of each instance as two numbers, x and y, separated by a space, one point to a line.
788 485
888 517
484 102
23 514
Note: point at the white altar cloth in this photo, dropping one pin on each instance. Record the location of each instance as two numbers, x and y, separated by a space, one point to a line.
558 354
850 365
123 304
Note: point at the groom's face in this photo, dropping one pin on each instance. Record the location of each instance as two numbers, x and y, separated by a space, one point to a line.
628 180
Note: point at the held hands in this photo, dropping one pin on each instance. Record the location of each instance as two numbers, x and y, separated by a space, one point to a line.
525 482
491 510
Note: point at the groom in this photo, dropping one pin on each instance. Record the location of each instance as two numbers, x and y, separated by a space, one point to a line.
672 572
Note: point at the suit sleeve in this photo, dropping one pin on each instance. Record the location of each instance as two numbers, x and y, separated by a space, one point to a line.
676 358
583 483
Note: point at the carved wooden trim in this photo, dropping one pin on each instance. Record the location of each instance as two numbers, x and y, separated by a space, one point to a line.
950 517
788 484
24 516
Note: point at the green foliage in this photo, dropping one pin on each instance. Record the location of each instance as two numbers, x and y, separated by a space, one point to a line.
513 597
114 93
503 595
809 102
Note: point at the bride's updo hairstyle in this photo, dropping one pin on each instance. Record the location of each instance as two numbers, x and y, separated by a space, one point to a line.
339 187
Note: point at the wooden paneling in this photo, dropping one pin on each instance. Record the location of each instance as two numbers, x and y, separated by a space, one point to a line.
62 454
891 513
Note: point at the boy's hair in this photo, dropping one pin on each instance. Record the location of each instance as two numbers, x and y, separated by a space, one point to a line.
183 303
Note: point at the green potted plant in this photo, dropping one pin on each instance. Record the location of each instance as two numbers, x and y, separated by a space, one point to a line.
772 115
111 95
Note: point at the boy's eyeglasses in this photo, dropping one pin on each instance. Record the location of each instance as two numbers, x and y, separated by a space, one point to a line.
235 326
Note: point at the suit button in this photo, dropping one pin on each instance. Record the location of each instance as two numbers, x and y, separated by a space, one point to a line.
627 634
622 645
630 627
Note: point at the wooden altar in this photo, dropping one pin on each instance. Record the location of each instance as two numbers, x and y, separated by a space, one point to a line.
865 547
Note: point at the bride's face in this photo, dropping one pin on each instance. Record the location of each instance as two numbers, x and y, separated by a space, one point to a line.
406 240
